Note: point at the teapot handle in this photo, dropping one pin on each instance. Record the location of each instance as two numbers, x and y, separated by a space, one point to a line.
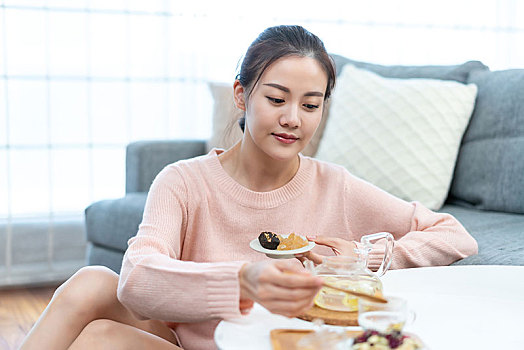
388 249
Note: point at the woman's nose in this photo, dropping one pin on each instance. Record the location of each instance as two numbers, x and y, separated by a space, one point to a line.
291 118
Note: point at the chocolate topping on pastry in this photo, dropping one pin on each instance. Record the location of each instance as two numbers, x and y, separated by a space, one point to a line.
269 240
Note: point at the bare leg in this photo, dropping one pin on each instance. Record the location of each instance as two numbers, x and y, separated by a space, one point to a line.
90 294
108 334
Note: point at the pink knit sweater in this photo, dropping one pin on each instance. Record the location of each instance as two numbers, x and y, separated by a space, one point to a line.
183 264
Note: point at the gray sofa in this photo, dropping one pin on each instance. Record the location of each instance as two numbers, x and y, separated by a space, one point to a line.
486 195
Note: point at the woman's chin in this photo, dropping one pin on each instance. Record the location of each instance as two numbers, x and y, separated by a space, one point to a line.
278 151
283 155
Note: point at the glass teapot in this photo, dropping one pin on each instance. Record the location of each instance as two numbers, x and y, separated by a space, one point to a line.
351 272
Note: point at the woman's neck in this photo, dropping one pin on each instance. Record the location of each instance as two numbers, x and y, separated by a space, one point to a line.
255 170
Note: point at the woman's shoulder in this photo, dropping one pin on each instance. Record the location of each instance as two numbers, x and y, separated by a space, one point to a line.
186 168
334 173
193 163
324 168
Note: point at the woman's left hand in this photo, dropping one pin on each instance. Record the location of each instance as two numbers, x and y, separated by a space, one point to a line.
338 245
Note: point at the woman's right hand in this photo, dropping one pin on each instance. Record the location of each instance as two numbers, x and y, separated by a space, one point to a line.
282 287
338 245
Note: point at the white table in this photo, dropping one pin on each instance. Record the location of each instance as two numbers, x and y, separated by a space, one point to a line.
457 307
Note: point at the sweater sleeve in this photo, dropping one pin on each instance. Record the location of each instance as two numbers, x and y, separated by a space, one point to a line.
154 283
422 237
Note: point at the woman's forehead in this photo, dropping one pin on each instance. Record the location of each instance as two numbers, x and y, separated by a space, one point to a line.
304 73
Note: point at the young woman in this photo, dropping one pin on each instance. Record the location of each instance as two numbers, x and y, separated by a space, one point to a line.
190 264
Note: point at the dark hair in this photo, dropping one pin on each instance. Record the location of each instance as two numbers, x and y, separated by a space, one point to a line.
275 43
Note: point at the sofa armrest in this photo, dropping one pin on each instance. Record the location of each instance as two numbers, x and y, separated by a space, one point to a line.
145 159
112 222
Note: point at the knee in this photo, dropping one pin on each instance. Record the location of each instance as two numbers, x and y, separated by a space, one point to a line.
87 288
100 327
98 333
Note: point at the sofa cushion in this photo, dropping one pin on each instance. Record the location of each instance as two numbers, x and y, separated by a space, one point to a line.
145 159
111 223
490 167
226 131
402 135
99 255
499 235
458 72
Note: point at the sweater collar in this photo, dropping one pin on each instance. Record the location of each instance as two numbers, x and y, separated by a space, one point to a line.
259 200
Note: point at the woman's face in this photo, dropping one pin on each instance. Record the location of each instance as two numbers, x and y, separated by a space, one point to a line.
285 107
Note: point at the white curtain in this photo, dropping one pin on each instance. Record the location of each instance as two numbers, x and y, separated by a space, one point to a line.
81 79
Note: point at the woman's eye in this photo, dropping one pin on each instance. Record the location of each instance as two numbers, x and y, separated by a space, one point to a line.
275 100
309 106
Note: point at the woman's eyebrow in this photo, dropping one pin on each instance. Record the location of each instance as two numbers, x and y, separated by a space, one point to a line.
278 86
285 89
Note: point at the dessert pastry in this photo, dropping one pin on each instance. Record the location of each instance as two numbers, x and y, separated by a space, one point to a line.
272 241
290 242
269 240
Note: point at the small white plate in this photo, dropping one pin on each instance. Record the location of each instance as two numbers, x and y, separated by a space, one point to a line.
280 254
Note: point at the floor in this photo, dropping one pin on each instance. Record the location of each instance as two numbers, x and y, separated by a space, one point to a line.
19 310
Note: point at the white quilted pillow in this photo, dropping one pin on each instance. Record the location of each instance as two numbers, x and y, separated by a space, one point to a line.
402 135
226 131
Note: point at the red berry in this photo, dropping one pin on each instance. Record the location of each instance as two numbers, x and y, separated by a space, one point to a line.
394 343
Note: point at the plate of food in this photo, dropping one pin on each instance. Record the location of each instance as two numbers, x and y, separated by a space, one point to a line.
281 246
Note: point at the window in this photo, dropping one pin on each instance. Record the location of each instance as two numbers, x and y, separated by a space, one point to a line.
79 80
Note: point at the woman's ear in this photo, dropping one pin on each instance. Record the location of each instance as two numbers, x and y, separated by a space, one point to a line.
238 95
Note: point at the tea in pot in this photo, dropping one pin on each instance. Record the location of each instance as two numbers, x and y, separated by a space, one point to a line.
351 272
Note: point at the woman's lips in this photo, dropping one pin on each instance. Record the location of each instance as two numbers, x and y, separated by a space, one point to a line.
285 138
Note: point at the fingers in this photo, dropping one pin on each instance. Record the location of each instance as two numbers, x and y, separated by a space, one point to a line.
283 273
285 301
340 246
290 267
290 309
316 258
287 286
282 287
292 276
332 242
278 293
